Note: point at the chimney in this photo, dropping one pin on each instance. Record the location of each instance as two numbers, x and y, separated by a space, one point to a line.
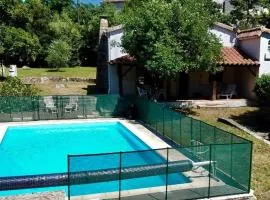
103 26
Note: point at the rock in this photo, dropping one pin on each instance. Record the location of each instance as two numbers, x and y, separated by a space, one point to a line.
25 67
44 79
58 86
57 79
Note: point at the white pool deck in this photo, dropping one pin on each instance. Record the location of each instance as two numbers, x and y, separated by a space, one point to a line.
199 177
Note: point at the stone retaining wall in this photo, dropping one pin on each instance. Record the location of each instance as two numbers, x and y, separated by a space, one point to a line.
33 80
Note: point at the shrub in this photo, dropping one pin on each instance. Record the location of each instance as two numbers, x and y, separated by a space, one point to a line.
262 89
15 87
59 54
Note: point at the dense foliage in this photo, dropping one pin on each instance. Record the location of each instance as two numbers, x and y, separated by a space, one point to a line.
15 87
31 29
249 13
168 37
59 54
262 89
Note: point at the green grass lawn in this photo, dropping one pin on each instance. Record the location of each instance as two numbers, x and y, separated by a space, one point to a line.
72 72
261 151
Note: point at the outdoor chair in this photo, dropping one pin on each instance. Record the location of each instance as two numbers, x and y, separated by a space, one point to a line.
157 94
72 105
142 92
229 91
49 104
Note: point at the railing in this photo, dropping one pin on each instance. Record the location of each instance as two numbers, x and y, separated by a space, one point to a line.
229 157
60 107
161 173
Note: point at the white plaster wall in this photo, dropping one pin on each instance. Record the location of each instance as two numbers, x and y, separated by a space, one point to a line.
113 80
226 37
264 55
115 49
251 47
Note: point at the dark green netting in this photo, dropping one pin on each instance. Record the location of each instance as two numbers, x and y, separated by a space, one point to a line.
196 140
61 107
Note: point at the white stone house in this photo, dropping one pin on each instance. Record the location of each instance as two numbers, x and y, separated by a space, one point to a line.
245 55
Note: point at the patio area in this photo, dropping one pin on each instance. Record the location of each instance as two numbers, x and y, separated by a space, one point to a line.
220 103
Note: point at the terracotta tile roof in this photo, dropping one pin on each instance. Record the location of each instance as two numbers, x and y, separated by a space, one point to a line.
225 26
230 56
234 57
124 60
252 33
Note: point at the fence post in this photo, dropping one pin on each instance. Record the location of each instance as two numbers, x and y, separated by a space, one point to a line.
33 107
83 103
62 107
191 131
250 165
20 100
231 155
38 108
167 171
180 125
215 130
210 171
172 126
68 178
120 169
163 118
201 131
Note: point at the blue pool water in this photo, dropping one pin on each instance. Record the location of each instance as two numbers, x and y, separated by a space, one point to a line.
43 149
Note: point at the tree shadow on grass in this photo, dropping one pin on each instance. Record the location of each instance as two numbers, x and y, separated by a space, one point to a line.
257 120
55 70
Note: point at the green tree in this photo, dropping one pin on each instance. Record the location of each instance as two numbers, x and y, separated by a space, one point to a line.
20 47
34 24
41 15
168 37
262 89
244 13
264 17
59 54
15 87
58 5
6 7
89 23
65 29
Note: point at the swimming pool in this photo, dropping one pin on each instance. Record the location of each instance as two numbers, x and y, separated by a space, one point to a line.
43 149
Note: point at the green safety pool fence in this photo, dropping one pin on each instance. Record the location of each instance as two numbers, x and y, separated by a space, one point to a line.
123 175
232 154
60 107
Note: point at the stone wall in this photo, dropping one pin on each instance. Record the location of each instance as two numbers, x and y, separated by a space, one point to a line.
33 80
